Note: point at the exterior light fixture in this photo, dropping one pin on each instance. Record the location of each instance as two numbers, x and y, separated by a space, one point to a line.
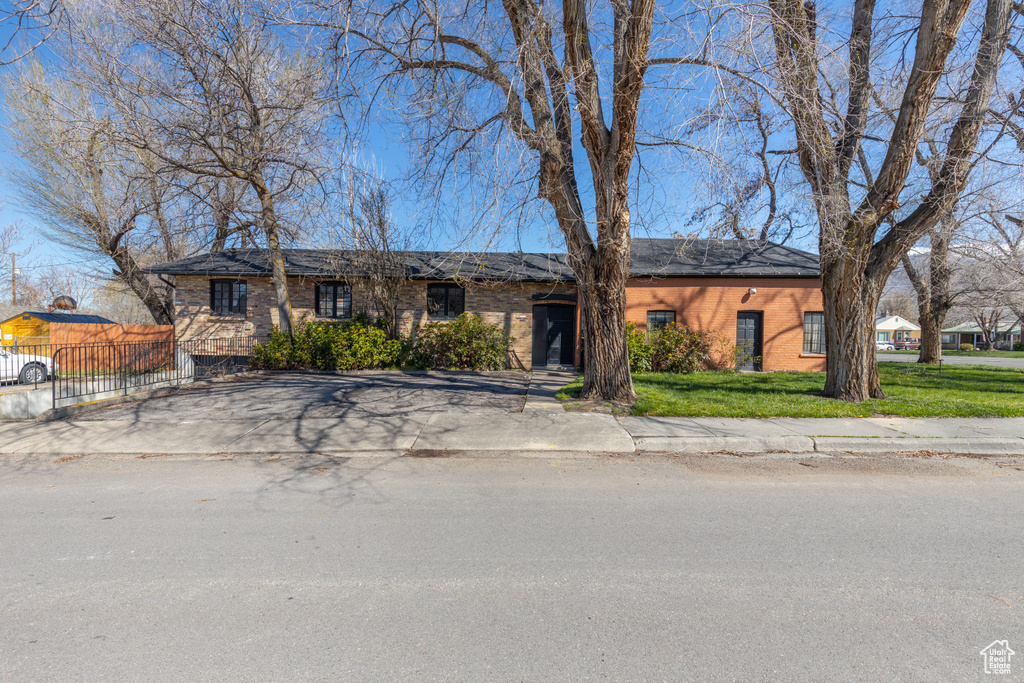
752 290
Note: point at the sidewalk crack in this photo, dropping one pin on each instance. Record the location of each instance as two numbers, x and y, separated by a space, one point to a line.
245 434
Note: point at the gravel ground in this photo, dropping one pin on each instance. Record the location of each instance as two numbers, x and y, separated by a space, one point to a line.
292 396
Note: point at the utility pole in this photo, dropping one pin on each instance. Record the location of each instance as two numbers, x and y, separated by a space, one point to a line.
14 283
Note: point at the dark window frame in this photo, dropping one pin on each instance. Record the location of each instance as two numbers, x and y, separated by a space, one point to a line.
336 287
654 324
235 305
814 344
437 312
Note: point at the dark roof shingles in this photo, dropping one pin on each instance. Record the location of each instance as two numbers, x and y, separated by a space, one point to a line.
57 317
648 258
712 257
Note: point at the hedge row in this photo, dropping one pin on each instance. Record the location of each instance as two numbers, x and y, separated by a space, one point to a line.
467 343
671 349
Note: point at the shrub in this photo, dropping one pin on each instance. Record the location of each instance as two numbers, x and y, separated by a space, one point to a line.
274 354
1018 346
680 349
466 343
639 349
354 344
967 347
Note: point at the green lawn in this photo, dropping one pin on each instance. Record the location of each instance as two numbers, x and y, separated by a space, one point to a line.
957 352
912 390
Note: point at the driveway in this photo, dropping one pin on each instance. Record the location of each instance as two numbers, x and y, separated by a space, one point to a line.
991 361
293 396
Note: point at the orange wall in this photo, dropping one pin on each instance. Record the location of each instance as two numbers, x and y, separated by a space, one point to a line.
712 304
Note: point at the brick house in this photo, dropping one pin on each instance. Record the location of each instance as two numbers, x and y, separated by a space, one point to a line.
763 295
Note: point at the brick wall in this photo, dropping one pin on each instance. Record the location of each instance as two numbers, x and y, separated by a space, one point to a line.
705 303
712 304
508 305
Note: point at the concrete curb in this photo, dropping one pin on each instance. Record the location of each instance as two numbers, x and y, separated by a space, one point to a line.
831 444
910 444
732 444
531 431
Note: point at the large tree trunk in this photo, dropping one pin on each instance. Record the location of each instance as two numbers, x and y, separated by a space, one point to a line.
280 277
931 336
850 300
854 262
223 207
933 297
602 286
158 301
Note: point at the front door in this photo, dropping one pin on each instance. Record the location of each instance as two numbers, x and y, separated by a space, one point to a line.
748 340
554 334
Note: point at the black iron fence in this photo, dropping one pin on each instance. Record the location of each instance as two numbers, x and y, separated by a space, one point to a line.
79 371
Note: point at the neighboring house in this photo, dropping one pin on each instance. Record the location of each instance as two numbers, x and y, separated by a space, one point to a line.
891 329
765 295
970 333
33 327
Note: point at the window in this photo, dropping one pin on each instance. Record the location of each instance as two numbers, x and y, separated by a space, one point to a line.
949 339
883 336
814 333
227 297
333 300
659 319
445 301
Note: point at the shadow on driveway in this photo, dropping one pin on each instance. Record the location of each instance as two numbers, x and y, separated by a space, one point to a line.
295 396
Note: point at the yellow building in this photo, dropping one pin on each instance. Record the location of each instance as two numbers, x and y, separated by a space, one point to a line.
33 327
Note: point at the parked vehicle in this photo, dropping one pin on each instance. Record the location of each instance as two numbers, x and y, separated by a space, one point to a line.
24 368
884 346
909 344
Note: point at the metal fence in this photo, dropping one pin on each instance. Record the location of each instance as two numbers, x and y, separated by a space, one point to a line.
79 371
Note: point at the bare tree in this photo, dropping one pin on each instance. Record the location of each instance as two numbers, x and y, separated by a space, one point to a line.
34 20
899 303
378 250
745 183
10 237
211 89
933 288
862 234
996 270
535 71
89 193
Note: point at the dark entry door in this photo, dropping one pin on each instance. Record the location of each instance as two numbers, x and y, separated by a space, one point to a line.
748 340
554 334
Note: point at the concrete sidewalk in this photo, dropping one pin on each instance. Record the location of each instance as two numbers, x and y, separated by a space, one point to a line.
531 431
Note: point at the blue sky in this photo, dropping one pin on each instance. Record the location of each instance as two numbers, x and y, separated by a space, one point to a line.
662 196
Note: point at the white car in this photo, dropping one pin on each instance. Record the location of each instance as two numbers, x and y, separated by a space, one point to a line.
884 346
24 368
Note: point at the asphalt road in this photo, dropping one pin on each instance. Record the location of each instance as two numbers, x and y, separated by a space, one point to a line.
993 361
476 569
